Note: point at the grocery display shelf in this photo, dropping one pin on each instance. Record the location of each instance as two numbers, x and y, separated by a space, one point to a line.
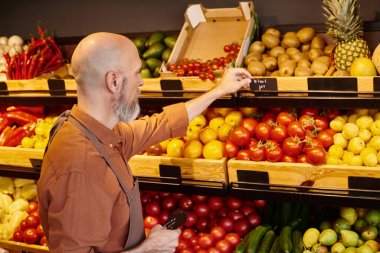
18 247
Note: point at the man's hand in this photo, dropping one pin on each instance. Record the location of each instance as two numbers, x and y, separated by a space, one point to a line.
159 240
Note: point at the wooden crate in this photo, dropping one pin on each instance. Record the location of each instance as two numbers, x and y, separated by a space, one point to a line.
19 156
294 174
41 87
18 247
199 169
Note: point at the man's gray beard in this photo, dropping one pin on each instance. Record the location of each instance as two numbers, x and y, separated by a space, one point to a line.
126 112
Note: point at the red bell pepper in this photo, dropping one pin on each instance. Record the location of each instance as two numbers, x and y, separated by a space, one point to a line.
4 122
5 135
16 136
33 109
20 117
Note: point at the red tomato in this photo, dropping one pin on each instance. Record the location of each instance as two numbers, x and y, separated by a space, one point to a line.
285 118
33 206
321 123
201 209
153 208
312 143
256 153
279 133
263 131
23 225
40 231
233 203
213 250
198 198
202 224
18 236
223 212
227 223
183 244
302 158
191 219
309 111
168 203
177 195
247 209
211 76
240 136
218 233
235 214
253 142
227 48
150 221
295 129
215 203
185 203
332 114
254 219
242 227
330 131
164 194
260 203
288 159
243 154
233 238
316 156
269 118
32 221
187 234
325 138
194 241
307 122
249 124
187 251
292 146
230 150
224 246
30 236
163 216
145 198
202 76
273 154
213 222
43 241
206 241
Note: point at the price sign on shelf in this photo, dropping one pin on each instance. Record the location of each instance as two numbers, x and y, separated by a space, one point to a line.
376 85
264 84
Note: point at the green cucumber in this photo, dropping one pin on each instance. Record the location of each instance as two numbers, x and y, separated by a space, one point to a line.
268 213
277 214
266 242
275 246
297 242
286 213
296 210
286 239
304 216
243 245
254 242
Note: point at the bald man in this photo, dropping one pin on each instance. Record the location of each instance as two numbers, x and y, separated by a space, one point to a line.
89 200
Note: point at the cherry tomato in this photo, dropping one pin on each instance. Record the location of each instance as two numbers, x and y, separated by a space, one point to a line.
168 203
263 131
206 241
215 203
202 224
224 246
185 203
153 208
183 244
145 198
233 238
285 118
249 124
150 221
223 212
191 219
260 203
257 153
213 222
235 214
269 118
316 156
292 146
201 209
187 234
227 223
242 227
213 250
218 233
295 129
243 154
254 219
178 195
211 76
321 123
309 111
202 76
227 48
325 138
230 150
279 133
233 203
240 136
247 209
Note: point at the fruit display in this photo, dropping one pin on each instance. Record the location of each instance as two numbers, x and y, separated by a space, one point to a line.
206 69
41 56
153 51
357 139
11 46
212 222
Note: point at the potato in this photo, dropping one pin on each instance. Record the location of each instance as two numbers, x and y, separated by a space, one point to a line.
291 50
275 73
304 63
303 71
305 47
318 42
253 56
324 59
282 58
319 68
290 41
329 49
276 51
315 53
256 68
290 34
270 63
287 68
270 41
305 34
257 46
274 31
264 56
297 56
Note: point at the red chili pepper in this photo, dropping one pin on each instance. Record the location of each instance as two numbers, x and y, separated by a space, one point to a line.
16 136
7 58
5 135
24 71
33 109
40 63
32 68
56 65
16 65
55 47
21 118
40 30
4 122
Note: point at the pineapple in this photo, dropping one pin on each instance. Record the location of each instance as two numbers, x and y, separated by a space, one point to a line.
346 26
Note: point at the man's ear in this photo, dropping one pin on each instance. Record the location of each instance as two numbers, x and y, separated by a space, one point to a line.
113 81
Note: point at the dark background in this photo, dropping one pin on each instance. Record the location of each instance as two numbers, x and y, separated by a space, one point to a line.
71 18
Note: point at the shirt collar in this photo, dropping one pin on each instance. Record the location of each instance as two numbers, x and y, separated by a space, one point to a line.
108 137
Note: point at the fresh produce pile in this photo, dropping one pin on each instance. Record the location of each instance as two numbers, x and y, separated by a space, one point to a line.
212 222
12 45
357 139
275 135
15 195
354 231
153 51
41 56
206 69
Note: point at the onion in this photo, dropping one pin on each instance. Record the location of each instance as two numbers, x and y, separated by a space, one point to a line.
3 40
3 67
3 77
15 40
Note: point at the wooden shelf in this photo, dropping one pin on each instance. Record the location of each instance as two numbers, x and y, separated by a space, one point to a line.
18 247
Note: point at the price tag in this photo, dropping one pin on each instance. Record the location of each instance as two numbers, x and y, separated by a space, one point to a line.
168 85
263 84
332 84
376 86
57 87
172 171
364 183
36 164
250 176
4 89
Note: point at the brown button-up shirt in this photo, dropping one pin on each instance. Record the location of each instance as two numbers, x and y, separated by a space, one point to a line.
82 206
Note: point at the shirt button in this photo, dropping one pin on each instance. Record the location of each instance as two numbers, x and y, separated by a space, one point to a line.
111 145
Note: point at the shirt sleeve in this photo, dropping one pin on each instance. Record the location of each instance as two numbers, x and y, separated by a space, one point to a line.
147 131
77 218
